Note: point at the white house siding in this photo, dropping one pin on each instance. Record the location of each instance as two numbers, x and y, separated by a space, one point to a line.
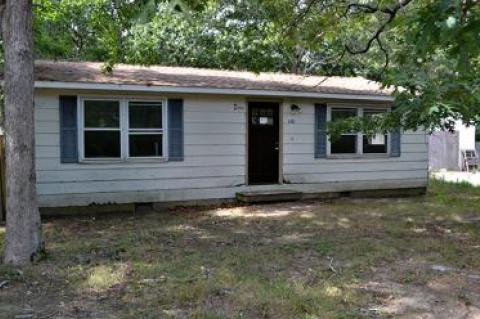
300 166
215 160
215 157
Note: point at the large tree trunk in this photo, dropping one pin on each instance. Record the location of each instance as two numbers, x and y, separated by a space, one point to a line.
23 233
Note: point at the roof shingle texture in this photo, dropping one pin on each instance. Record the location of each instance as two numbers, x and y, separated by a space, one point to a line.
91 72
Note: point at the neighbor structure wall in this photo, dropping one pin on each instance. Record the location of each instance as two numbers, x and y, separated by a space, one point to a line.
215 157
466 135
444 151
445 148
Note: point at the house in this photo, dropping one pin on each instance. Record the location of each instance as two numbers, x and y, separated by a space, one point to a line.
447 149
170 134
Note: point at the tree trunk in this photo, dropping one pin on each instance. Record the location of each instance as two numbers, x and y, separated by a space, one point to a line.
297 66
23 231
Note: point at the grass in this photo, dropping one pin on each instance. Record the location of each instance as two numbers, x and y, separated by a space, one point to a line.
342 259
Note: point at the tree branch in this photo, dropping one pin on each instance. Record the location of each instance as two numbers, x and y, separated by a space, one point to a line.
467 5
387 58
364 8
390 11
300 16
2 18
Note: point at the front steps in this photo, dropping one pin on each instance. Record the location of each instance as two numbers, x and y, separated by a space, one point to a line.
277 195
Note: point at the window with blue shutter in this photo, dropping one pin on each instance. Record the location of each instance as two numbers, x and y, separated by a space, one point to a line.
320 131
68 129
175 129
354 143
104 135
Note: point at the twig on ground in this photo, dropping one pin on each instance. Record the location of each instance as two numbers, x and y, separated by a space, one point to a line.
49 315
330 266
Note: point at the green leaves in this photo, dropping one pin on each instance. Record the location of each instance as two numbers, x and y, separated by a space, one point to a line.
432 46
434 49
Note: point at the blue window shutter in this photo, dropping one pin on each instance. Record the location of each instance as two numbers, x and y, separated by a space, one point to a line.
320 130
175 130
396 143
68 129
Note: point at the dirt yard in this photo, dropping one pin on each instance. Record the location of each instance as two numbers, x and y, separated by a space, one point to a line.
396 258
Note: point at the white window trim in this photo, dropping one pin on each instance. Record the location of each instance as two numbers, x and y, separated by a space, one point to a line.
124 129
163 130
359 152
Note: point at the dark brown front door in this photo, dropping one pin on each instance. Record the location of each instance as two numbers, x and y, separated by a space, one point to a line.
263 142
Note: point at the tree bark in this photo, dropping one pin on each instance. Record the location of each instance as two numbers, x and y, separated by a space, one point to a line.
23 231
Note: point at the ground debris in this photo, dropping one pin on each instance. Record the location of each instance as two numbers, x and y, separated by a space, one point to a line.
330 265
474 276
472 220
442 268
223 291
153 280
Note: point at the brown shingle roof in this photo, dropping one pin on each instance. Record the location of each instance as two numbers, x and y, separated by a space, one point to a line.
90 72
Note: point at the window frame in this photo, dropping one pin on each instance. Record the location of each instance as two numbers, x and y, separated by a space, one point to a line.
369 109
357 145
146 131
124 128
359 151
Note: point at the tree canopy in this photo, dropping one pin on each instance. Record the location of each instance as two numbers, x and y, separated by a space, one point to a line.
427 51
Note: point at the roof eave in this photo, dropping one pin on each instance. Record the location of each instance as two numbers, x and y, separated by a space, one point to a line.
204 90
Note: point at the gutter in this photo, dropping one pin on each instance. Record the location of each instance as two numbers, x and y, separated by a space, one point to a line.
200 90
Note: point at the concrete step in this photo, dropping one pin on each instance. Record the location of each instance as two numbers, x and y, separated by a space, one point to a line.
277 195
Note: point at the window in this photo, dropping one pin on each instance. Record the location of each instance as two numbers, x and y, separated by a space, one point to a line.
102 129
347 143
263 117
145 132
357 143
122 129
379 142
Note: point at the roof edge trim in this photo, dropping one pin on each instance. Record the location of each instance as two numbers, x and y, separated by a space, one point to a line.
201 90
